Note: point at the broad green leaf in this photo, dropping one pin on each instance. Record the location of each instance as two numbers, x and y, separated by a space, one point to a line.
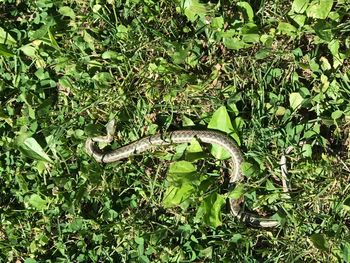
206 253
333 46
217 22
194 147
39 33
286 28
67 11
29 51
37 202
234 43
194 9
96 8
262 54
210 210
307 150
319 241
140 241
220 121
248 9
182 172
174 196
103 78
346 251
110 55
248 169
323 30
337 114
299 6
6 38
295 100
180 56
194 151
32 149
325 65
186 122
319 9
237 192
122 32
5 51
299 19
251 38
325 82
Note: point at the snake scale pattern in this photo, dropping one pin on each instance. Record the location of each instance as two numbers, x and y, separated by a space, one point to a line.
177 137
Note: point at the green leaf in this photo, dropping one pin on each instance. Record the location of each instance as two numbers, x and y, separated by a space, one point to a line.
67 11
210 210
32 149
220 121
325 65
286 28
103 78
194 9
323 30
251 38
249 169
307 150
217 22
333 46
182 172
39 33
319 9
234 43
206 253
140 248
194 147
5 51
29 51
295 100
110 55
194 151
299 6
37 202
248 9
299 19
186 122
174 196
337 114
346 251
237 192
180 56
6 38
261 54
319 241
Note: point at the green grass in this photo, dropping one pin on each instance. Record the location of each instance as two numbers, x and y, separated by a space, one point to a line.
279 69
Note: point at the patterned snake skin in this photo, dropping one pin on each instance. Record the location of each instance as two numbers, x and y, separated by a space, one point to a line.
176 137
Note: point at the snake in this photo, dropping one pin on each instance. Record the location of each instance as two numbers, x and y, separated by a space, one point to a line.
179 137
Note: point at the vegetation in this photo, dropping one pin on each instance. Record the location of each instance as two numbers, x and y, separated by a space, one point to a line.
273 74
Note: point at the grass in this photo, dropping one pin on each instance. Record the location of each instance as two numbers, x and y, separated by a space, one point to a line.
277 71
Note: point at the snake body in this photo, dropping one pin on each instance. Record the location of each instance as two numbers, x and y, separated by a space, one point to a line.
177 137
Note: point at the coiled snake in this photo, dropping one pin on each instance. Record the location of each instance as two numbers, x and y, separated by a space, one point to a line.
177 137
